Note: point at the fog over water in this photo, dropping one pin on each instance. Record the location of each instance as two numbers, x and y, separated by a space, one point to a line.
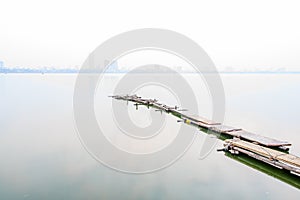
43 158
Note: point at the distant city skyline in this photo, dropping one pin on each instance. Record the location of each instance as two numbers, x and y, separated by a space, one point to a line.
115 68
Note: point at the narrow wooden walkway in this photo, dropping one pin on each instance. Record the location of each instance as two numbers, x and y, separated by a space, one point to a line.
234 132
205 123
270 142
271 154
251 144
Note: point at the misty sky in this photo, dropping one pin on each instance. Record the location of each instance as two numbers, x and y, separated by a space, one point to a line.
242 34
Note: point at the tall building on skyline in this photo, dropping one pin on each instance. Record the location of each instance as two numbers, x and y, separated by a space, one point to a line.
1 64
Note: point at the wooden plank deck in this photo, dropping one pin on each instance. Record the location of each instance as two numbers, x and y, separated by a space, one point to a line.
235 132
201 119
206 123
241 143
224 129
266 152
270 142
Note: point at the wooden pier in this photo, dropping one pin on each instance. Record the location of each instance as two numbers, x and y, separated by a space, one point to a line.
276 158
254 145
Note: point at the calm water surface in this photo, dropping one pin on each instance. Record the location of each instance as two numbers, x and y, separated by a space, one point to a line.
42 157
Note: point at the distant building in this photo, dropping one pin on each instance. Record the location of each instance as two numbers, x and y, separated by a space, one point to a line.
1 64
114 68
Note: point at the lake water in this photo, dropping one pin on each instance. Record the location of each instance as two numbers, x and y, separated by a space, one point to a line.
42 156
